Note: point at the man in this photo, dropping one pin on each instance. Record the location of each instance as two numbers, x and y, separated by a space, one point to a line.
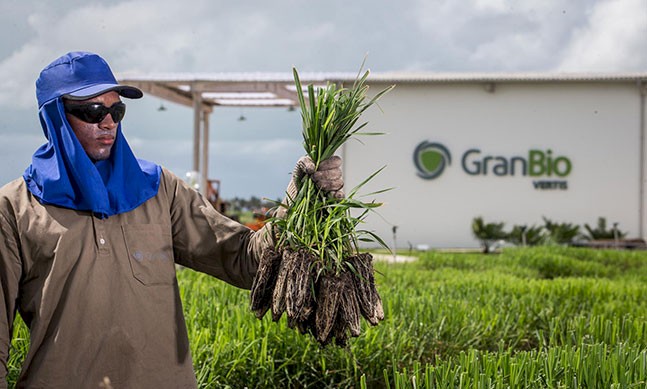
91 236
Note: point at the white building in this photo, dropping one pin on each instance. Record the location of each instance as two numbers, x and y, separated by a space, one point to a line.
509 148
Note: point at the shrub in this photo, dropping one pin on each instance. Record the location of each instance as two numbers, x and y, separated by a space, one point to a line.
522 235
601 231
487 233
560 233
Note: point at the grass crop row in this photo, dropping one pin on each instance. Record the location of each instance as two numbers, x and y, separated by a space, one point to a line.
452 320
588 366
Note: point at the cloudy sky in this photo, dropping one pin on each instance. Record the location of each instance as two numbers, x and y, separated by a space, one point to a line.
254 157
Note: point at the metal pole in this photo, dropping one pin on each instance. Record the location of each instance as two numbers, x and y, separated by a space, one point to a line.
642 89
197 113
395 243
205 152
523 236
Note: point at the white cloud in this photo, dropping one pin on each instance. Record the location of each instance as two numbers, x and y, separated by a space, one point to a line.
506 35
219 35
16 154
139 35
19 73
614 39
160 149
254 149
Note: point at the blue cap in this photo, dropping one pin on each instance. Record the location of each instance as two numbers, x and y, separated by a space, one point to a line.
79 76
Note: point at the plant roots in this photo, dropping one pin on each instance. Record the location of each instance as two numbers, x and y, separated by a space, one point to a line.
324 304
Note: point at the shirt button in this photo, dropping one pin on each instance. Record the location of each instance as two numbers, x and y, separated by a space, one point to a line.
102 241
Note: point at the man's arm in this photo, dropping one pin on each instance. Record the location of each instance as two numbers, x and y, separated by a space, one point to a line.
10 273
207 241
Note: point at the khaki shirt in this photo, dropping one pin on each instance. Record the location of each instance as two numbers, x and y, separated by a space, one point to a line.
100 296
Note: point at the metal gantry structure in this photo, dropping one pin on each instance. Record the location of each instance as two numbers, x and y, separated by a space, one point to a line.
203 92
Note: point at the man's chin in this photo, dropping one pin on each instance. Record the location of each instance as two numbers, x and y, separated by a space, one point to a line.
96 157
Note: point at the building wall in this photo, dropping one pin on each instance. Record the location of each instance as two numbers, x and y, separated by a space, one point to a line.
596 126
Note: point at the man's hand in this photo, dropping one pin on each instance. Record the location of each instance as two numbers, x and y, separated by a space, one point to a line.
328 177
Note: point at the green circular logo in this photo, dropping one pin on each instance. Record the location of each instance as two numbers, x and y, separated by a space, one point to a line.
431 159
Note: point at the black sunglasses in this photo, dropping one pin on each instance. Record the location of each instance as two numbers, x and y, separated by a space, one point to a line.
96 112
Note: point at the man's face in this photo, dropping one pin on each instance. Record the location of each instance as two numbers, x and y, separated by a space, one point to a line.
96 138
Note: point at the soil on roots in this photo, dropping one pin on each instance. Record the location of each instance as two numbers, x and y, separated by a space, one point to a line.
264 282
369 300
324 303
299 288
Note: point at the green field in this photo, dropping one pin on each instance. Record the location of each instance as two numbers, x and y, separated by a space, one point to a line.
526 318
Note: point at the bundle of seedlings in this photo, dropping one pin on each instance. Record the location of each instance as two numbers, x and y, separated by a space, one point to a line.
316 274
